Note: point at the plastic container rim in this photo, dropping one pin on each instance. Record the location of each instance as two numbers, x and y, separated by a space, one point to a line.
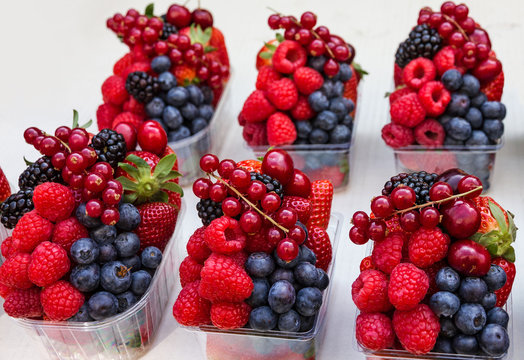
455 148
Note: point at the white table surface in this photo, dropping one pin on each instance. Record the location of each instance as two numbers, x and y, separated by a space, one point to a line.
56 54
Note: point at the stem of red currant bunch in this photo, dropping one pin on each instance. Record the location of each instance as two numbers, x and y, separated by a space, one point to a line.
461 30
61 142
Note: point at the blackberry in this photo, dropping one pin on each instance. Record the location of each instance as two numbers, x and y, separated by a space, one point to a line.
209 210
110 147
271 184
15 206
142 86
168 29
419 181
422 42
41 171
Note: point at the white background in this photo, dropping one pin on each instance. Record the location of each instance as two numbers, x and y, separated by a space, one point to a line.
56 54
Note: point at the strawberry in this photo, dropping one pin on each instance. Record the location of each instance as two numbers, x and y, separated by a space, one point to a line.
321 197
493 89
265 54
509 268
157 224
251 165
350 87
318 242
184 74
5 189
335 174
211 38
300 205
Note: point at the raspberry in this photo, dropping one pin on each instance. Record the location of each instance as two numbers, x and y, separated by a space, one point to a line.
135 107
13 272
225 236
61 300
224 280
123 63
302 111
197 247
189 271
266 75
407 286
255 134
105 115
7 247
318 242
289 56
388 253
138 66
407 111
434 97
68 231
430 133
427 246
398 93
257 242
397 75
114 90
374 331
367 264
239 258
190 309
444 60
49 262
31 230
370 292
307 80
397 136
257 107
241 119
128 117
417 329
138 53
53 201
5 290
301 206
418 72
431 272
280 130
23 303
282 93
227 315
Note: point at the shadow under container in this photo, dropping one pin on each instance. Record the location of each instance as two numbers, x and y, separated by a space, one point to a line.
245 343
128 335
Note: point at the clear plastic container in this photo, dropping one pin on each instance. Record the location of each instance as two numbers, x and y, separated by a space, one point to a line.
4 233
125 336
190 150
247 343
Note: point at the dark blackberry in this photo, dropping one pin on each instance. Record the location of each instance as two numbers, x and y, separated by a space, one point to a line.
422 42
168 29
41 171
271 184
15 206
419 181
110 147
209 210
142 86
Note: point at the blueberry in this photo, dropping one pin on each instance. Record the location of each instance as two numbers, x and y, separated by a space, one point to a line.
195 95
318 101
447 279
84 251
85 278
443 345
458 129
341 134
494 340
208 94
470 86
348 121
263 318
307 323
132 262
325 120
162 123
338 89
309 301
498 315
140 281
339 107
300 141
206 111
489 301
102 305
447 327
306 274
259 294
104 234
82 315
282 274
189 111
177 96
160 64
198 125
472 289
151 257
345 72
306 254
444 303
259 264
172 117
458 105
127 244
85 219
107 253
465 344
452 79
495 278
155 107
349 104
125 301
444 119
179 134
322 280
452 142
328 88
304 128
477 138
167 81
470 318
289 321
502 111
474 117
129 217
478 100
281 297
283 264
317 63
493 110
493 129
115 277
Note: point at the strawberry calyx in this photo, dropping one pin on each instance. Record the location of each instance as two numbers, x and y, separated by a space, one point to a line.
197 35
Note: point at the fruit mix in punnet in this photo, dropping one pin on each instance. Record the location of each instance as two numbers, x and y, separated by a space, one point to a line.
90 222
261 256
441 267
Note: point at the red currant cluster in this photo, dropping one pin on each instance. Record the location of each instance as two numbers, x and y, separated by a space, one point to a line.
135 28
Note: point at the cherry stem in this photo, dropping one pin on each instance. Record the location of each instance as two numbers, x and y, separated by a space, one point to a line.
62 142
448 18
249 203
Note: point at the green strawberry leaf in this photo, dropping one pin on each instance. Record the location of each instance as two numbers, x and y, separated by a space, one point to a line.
127 184
358 68
271 47
279 37
476 237
87 124
173 174
509 254
141 164
512 227
490 238
130 169
499 217
160 196
130 197
387 94
75 119
171 186
208 49
197 35
27 162
493 248
266 55
165 165
150 8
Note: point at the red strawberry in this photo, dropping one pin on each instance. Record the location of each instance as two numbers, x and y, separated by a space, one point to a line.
318 242
300 205
265 54
493 89
212 39
184 74
321 197
5 189
251 165
157 224
335 174
509 268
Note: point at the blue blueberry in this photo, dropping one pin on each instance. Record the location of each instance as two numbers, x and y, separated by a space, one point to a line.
307 323
502 111
306 274
447 327
285 264
325 120
328 88
189 111
341 134
133 263
474 117
322 280
281 297
161 64
493 110
495 278
263 318
303 128
105 234
172 117
458 129
115 277
300 141
127 244
349 104
84 251
85 278
443 345
318 101
444 303
85 219
465 344
478 100
498 315
452 79
447 279
140 281
306 254
348 121
289 321
472 289
198 125
444 119
494 340
259 264
151 257
493 129
489 301
345 72
206 111
339 107
155 107
107 253
179 134
309 301
208 94
282 274
82 315
317 63
177 96
125 301
449 141
102 305
470 318
195 95
470 86
338 89
129 217
458 105
477 138
259 294
167 81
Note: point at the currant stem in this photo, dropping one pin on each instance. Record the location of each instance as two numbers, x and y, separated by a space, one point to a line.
448 18
63 143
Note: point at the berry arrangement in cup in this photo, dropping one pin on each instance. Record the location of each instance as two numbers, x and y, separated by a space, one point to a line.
306 88
441 267
260 260
174 73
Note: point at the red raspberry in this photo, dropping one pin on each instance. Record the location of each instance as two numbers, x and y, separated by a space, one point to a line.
430 133
417 329
398 93
302 110
105 115
397 136
257 107
5 290
190 309
255 134
434 97
266 75
374 331
31 230
48 264
61 300
23 303
282 93
114 90
189 271
397 75
367 264
257 242
68 231
301 206
53 201
289 56
427 246
226 315
280 130
224 280
407 286
307 80
444 60
128 117
370 292
138 66
225 236
388 253
431 272
418 72
239 258
123 63
7 247
318 242
197 247
132 105
138 53
13 272
241 119
407 111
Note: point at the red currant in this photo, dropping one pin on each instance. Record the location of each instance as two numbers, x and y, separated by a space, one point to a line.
240 178
461 12
377 230
468 25
198 48
110 216
360 219
423 19
286 22
331 68
203 73
209 163
217 192
403 197
287 249
201 188
161 47
286 217
231 207
250 222
30 134
256 190
76 162
88 195
382 206
63 133
111 196
308 20
435 20
456 39
448 7
103 168
316 48
273 21
303 36
77 141
95 182
429 217
183 42
468 183
298 234
440 190
94 208
290 33
445 29
176 56
116 185
37 141
59 160
226 167
270 202
483 51
66 174
49 146
274 235
358 235
341 52
323 32
156 23
76 181
89 155
410 221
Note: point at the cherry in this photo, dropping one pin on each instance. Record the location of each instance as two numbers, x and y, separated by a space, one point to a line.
226 167
209 163
308 20
440 190
403 197
461 218
256 190
94 208
488 69
152 137
469 258
231 207
202 17
298 234
382 206
452 177
279 165
30 134
76 162
89 155
103 168
77 140
360 219
49 146
469 183
217 192
299 185
358 235
240 178
270 202
110 216
410 221
111 196
250 222
429 217
273 21
129 133
287 249
286 217
331 68
178 15
59 160
201 188
377 230
63 133
95 182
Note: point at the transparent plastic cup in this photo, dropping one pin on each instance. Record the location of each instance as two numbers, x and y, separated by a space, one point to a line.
247 343
125 336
